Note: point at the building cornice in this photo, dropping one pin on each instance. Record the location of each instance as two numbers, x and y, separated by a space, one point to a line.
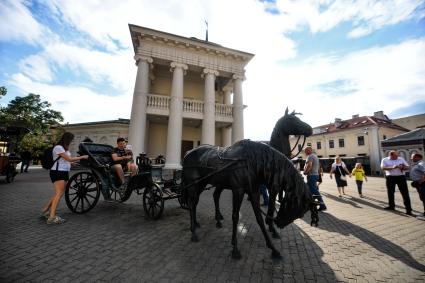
163 47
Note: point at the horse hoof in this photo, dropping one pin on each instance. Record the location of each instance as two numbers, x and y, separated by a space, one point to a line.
219 225
194 238
276 255
275 235
236 255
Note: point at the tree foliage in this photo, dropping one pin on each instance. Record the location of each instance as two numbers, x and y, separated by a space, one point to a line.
31 119
30 112
3 91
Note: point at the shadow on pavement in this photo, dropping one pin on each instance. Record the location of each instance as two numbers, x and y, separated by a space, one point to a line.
341 199
331 223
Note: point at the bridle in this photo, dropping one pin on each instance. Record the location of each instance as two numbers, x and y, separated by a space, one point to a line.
300 148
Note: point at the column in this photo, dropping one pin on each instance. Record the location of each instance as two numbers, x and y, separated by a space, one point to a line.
208 122
175 119
137 129
237 126
227 131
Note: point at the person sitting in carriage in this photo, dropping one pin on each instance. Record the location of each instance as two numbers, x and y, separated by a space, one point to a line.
123 160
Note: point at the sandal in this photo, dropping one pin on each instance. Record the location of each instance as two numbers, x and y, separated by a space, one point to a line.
55 220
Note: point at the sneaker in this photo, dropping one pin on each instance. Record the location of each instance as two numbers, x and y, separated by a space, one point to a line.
389 208
55 220
44 215
420 217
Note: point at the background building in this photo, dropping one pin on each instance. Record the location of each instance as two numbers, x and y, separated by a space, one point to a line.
355 137
406 144
411 122
187 92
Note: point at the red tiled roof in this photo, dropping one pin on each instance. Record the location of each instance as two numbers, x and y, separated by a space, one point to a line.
357 122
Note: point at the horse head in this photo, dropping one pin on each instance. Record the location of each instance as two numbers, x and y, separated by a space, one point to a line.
290 124
297 201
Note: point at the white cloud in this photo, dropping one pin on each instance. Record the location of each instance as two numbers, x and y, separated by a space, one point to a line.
77 104
381 78
18 24
366 16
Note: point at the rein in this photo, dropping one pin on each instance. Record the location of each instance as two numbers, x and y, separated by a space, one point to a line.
299 151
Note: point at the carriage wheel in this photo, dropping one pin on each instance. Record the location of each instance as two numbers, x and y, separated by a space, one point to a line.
119 194
153 203
126 194
82 192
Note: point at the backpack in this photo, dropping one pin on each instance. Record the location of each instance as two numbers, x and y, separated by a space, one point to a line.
47 159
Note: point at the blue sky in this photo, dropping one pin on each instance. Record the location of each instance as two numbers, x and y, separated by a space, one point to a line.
326 59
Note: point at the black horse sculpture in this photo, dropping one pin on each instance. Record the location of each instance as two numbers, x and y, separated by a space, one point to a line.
241 168
287 125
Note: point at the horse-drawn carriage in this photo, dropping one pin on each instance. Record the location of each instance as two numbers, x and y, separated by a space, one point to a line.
97 177
8 167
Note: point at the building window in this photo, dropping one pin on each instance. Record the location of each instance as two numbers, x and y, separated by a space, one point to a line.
331 144
362 154
341 142
309 144
331 155
319 145
360 140
300 148
384 137
320 156
343 155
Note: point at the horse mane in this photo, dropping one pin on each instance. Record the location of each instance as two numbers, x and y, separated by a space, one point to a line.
273 165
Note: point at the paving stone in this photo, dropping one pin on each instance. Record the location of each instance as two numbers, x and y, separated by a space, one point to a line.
356 241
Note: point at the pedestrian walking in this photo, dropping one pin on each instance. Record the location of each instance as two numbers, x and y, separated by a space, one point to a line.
26 157
340 170
359 175
394 167
311 170
59 175
417 175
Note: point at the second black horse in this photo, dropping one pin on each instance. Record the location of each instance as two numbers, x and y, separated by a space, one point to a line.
241 168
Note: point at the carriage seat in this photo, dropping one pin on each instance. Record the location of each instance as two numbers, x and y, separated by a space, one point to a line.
101 153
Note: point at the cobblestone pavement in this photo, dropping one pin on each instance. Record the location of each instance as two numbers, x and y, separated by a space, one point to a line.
356 241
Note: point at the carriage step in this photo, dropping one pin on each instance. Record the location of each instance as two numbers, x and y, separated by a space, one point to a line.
168 194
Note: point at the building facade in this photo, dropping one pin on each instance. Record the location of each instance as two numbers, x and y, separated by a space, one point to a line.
358 136
105 132
411 122
187 92
406 144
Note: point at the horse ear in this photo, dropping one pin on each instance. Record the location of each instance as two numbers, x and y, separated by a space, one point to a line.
286 111
293 113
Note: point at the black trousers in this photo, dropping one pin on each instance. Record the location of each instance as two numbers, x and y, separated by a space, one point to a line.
421 191
400 181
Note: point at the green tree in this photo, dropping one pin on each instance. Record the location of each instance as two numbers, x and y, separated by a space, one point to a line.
33 118
3 91
30 112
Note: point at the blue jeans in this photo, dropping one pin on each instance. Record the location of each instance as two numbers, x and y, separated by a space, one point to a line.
312 185
263 191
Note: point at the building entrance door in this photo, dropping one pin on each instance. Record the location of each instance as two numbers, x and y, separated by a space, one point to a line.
186 146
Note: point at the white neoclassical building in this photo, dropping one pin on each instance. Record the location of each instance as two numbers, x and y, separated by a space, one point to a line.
187 92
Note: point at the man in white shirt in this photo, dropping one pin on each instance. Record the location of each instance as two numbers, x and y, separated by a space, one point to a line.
394 167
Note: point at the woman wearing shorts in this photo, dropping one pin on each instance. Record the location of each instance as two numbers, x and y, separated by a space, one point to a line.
59 174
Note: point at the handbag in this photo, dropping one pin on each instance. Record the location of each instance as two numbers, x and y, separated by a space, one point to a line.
342 177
